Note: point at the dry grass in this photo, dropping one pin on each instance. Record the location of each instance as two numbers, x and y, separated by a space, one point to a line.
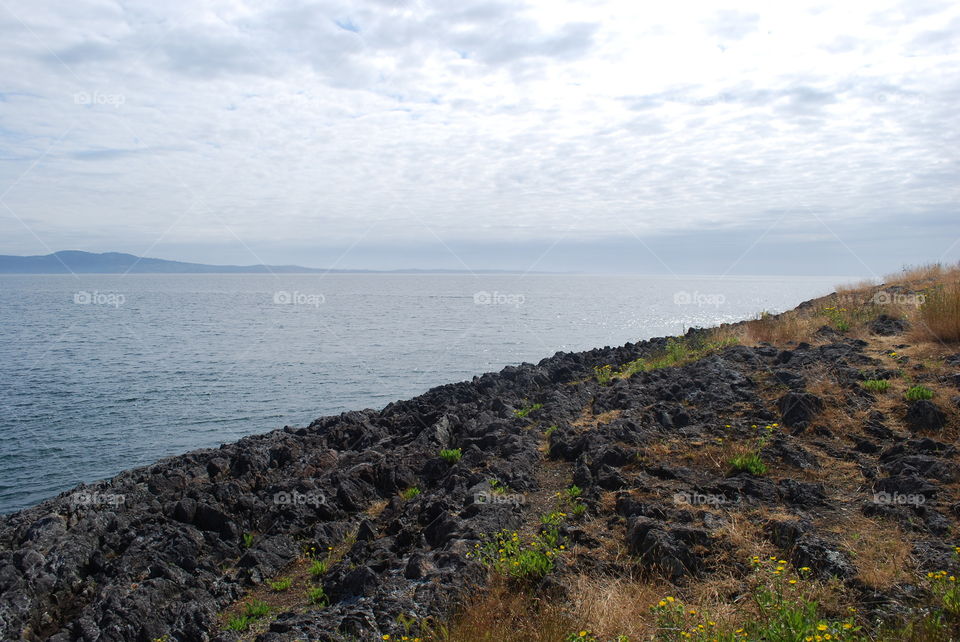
376 507
728 332
611 606
923 274
856 288
588 420
785 328
713 456
745 536
939 318
855 304
606 606
881 551
506 612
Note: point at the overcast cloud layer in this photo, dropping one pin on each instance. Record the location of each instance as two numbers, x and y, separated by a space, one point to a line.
624 136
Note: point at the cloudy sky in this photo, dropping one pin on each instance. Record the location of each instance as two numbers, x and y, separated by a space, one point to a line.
684 137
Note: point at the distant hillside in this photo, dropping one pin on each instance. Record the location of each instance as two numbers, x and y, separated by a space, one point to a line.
75 261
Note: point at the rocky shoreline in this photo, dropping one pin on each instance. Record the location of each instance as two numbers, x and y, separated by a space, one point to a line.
164 551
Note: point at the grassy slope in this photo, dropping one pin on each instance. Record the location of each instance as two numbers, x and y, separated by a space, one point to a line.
595 606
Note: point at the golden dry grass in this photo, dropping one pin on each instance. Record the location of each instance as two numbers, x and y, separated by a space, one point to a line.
505 612
588 420
922 275
376 507
712 455
856 288
785 328
611 606
939 317
880 551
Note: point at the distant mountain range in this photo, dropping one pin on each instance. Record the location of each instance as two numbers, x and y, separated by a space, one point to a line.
77 262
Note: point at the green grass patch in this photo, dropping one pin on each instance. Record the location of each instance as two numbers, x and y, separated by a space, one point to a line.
677 352
318 568
409 493
918 393
748 462
506 554
876 385
281 584
316 595
257 609
451 455
239 623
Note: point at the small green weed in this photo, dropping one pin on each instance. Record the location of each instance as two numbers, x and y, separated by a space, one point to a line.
523 412
256 609
409 493
507 555
918 393
876 385
281 584
318 568
451 455
316 595
748 462
239 623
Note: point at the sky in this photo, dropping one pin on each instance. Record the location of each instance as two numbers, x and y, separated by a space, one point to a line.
629 137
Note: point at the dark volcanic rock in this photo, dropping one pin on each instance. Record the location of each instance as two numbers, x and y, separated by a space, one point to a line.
924 415
824 559
667 550
164 549
790 379
798 408
888 326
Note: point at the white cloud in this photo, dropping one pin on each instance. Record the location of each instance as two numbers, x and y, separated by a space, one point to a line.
321 122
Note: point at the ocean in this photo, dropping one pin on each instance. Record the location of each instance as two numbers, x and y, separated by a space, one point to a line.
100 373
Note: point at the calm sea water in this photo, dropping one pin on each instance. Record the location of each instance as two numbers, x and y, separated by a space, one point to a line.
100 373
